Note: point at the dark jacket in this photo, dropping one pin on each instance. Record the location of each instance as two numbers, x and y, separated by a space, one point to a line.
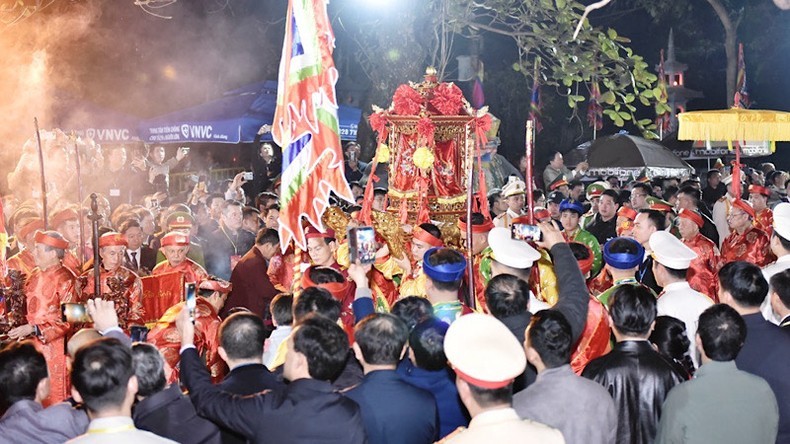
394 411
709 229
247 380
441 383
766 353
572 301
147 261
170 414
221 245
638 379
602 230
252 288
307 411
645 276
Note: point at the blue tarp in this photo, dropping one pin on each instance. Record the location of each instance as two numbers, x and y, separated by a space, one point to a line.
87 119
235 118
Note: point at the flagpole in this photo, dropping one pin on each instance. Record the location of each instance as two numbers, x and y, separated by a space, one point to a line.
529 145
471 297
81 249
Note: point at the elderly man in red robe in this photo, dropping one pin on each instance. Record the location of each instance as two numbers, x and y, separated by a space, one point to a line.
175 246
745 242
703 272
763 216
50 285
211 296
67 223
112 249
25 261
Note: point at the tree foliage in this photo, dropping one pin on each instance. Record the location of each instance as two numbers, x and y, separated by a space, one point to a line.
544 29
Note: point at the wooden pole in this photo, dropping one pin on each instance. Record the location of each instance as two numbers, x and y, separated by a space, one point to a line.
529 144
81 248
43 176
471 297
95 217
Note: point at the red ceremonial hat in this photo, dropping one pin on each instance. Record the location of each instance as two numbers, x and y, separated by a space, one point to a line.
627 212
312 232
692 216
30 227
175 238
47 238
216 285
63 216
485 227
758 189
426 237
745 206
557 183
585 264
112 239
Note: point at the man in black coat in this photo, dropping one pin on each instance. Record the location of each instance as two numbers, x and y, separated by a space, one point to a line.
228 243
241 338
766 351
307 411
646 223
393 411
508 294
163 410
636 376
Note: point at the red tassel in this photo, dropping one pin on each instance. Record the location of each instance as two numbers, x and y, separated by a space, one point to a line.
403 213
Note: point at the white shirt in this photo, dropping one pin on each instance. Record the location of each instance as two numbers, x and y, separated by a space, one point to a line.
503 426
117 430
680 301
720 210
505 219
136 256
781 264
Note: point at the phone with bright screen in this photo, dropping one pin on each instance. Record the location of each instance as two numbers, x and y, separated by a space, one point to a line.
362 245
525 232
74 313
190 296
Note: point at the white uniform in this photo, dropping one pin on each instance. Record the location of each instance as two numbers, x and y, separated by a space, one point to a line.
680 301
503 426
720 211
505 220
781 264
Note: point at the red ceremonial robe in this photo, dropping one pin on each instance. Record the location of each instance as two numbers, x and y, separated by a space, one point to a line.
703 272
192 271
133 313
45 291
751 246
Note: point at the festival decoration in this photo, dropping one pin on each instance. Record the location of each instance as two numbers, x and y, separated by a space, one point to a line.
663 119
306 122
741 99
430 135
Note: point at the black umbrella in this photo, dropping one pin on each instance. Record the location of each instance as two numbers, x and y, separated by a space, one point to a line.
626 156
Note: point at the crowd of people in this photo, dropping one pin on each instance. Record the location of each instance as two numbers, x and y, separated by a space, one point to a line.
642 311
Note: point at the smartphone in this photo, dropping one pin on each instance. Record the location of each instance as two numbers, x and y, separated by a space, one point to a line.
74 313
362 245
185 149
138 333
525 232
247 175
154 203
190 296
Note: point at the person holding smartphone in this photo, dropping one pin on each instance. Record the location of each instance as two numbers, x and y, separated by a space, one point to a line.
210 298
157 164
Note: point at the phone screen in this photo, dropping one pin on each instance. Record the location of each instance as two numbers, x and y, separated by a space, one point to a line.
74 313
525 232
139 333
362 245
190 297
248 175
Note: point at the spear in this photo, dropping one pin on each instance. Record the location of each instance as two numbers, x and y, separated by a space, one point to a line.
43 177
79 199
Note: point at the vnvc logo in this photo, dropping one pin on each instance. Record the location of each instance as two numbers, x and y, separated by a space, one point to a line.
197 131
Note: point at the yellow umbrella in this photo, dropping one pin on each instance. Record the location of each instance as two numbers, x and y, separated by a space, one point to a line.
735 124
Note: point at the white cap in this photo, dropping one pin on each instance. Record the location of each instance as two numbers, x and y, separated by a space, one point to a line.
782 220
483 351
513 253
513 187
670 252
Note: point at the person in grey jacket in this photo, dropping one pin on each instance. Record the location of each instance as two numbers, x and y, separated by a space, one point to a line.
588 414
